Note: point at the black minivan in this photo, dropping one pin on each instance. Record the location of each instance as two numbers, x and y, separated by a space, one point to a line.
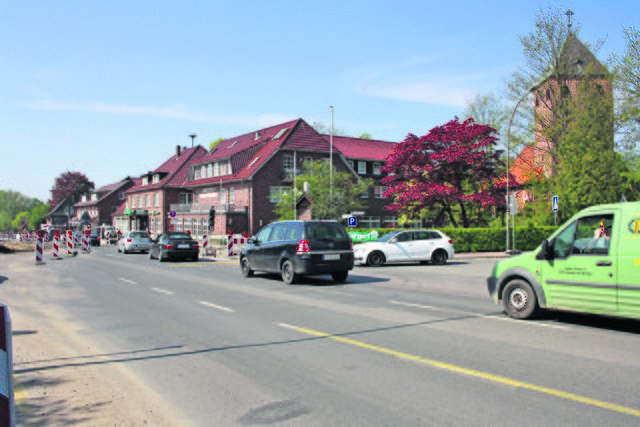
299 248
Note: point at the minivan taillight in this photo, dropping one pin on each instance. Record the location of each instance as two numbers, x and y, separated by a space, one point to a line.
451 241
303 246
129 240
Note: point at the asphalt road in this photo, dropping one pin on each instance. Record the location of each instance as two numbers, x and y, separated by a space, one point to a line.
400 345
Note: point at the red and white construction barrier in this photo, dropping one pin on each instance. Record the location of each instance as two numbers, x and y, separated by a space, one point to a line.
56 246
7 404
39 251
235 244
107 238
85 244
69 243
77 242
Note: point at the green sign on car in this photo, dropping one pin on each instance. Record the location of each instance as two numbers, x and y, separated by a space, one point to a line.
591 264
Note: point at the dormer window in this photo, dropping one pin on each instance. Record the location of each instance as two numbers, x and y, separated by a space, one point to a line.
84 198
280 133
145 180
94 197
253 162
362 168
233 144
156 178
257 137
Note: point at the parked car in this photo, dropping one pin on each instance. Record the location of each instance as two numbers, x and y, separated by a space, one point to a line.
299 248
406 245
94 240
134 241
174 246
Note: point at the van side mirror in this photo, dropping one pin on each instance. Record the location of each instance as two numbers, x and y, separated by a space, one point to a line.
546 251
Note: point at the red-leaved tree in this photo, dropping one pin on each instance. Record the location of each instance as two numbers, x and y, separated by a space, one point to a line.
451 168
74 183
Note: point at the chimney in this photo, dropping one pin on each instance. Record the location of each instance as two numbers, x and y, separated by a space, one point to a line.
178 149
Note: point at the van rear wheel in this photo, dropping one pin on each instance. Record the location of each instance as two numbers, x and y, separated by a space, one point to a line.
519 299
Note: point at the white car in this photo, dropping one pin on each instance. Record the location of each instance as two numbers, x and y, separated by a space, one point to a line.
138 241
405 245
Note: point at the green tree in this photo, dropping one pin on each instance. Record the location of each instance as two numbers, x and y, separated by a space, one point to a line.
11 204
490 110
331 204
38 215
626 68
17 222
365 136
588 169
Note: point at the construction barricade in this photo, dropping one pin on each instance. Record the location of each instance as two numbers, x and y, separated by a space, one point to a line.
7 403
235 243
39 250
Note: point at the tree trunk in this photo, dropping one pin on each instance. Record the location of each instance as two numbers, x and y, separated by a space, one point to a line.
463 214
453 220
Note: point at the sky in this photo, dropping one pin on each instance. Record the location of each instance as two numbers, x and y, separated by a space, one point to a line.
110 88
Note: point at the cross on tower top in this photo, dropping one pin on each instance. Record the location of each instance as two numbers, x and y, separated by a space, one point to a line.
569 14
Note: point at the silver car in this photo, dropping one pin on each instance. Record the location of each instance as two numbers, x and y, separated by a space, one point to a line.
134 241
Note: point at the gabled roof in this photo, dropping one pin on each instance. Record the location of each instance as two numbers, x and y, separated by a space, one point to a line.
362 149
59 206
105 191
120 210
175 169
577 60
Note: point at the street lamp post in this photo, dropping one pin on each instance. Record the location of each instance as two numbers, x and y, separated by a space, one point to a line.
331 161
513 113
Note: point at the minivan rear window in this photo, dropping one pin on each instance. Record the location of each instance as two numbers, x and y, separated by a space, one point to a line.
324 230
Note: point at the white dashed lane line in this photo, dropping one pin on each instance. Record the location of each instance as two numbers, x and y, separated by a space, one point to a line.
125 280
217 307
162 291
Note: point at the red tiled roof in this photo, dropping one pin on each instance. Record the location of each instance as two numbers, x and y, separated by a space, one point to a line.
102 192
307 138
365 149
173 168
120 210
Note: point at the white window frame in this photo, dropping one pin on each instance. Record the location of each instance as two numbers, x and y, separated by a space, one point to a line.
378 191
365 194
147 200
145 180
209 170
362 168
156 200
274 193
287 162
232 195
216 169
376 168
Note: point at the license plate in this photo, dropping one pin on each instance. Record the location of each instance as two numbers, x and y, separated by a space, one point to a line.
183 246
331 257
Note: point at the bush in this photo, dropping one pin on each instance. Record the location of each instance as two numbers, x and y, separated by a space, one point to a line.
487 239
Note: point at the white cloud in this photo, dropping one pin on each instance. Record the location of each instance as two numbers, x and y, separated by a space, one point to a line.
178 113
413 80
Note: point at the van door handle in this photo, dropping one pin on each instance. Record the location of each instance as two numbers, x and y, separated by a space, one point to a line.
604 263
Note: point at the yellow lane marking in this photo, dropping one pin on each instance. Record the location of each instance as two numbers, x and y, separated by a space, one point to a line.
471 372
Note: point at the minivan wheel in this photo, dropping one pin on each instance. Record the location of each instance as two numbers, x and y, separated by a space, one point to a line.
439 257
519 300
288 275
245 268
375 259
340 277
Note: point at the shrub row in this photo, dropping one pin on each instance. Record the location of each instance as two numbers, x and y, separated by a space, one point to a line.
487 239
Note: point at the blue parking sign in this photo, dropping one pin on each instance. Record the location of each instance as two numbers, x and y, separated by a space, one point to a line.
352 221
554 203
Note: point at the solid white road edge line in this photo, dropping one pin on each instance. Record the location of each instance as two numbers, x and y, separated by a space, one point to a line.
122 279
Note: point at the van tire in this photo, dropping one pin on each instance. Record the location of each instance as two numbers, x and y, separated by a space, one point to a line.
519 299
288 275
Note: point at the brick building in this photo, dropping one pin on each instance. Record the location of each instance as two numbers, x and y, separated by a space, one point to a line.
101 203
575 63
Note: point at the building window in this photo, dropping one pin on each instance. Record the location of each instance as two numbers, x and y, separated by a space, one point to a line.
378 191
308 160
352 164
133 202
156 200
376 168
122 195
94 197
209 170
196 173
156 178
223 196
84 198
216 169
390 221
140 205
287 163
365 193
369 221
362 168
232 196
145 181
186 198
276 193
147 200
114 209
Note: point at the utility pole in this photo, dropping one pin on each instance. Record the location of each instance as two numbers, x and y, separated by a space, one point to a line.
192 136
331 161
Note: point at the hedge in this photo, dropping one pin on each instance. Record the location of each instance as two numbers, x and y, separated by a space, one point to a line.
486 239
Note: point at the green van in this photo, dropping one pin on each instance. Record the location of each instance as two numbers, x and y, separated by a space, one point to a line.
590 264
